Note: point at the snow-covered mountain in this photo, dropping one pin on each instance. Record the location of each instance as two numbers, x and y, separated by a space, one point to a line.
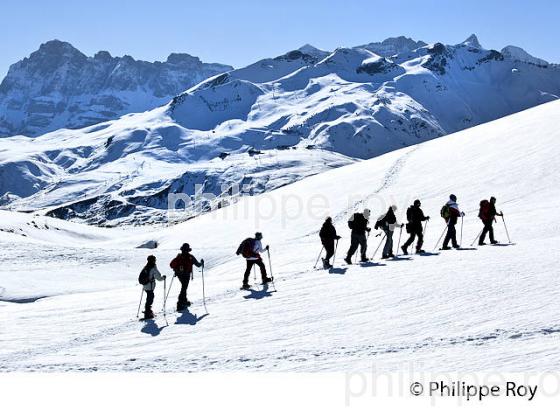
266 125
492 308
57 86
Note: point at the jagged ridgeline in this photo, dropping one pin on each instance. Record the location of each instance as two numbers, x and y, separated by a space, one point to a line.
269 124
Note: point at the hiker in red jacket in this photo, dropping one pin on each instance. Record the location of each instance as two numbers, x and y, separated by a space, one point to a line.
182 265
251 249
487 215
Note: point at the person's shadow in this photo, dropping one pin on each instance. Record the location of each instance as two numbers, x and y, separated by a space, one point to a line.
371 264
187 318
152 328
259 294
428 253
337 271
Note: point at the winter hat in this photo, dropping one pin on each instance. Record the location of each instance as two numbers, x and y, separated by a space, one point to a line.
328 220
151 259
492 198
453 197
417 202
258 235
185 247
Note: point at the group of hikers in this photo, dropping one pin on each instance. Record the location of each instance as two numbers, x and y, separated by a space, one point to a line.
252 248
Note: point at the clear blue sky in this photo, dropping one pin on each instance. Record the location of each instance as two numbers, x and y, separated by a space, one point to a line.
239 32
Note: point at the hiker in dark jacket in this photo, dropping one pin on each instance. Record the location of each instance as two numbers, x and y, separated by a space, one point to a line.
182 265
388 223
328 236
451 220
415 217
358 223
487 215
251 249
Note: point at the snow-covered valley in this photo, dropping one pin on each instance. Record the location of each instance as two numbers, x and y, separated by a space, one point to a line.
487 308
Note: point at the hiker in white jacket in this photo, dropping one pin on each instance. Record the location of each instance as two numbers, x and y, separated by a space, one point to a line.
154 275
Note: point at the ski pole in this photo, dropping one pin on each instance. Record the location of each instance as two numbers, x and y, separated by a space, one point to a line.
164 293
334 254
399 243
378 246
169 290
461 241
203 290
423 232
270 267
505 226
318 257
477 236
439 240
140 304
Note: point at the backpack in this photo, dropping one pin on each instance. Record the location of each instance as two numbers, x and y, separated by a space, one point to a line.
245 248
445 212
484 212
179 266
351 223
381 222
144 277
409 214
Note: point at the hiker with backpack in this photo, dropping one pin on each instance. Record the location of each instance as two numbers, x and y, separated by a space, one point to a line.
358 223
147 279
328 237
451 213
487 214
251 249
182 265
388 223
415 217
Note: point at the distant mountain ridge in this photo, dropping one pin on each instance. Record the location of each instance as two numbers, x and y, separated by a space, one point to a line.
58 86
269 124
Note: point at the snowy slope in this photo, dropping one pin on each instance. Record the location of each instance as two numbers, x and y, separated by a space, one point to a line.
57 86
492 308
305 107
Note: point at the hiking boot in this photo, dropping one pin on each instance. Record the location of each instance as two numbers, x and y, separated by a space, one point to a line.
365 260
404 250
326 264
456 246
445 248
245 286
481 244
494 242
266 279
148 314
385 257
420 251
348 261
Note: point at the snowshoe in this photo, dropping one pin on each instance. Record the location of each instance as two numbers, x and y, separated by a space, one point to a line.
404 250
